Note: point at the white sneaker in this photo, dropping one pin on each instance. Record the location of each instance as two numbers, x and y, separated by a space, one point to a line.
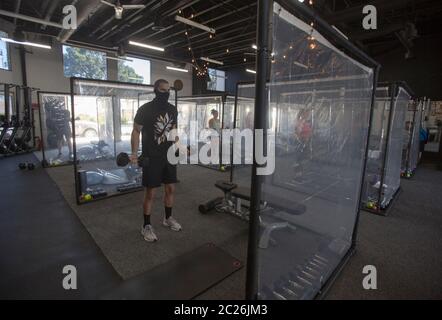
172 224
148 233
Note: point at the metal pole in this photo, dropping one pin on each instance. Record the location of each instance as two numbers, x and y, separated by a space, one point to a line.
264 11
367 147
232 146
410 142
393 89
7 102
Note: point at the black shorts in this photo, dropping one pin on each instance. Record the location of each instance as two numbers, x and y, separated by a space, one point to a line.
63 132
159 171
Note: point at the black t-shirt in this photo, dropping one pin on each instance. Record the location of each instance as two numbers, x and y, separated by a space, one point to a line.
157 119
60 119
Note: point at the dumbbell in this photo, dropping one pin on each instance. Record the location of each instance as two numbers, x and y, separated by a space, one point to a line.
123 160
24 166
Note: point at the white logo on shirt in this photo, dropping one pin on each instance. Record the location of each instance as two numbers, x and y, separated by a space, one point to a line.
163 126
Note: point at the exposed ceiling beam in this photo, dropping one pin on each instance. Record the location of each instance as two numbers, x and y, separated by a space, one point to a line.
140 27
17 10
355 13
196 15
125 20
229 40
30 19
181 32
377 33
48 15
87 8
221 36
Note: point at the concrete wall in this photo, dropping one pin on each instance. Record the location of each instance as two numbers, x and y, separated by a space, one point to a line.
45 70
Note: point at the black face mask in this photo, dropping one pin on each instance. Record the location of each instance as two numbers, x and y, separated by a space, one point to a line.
162 96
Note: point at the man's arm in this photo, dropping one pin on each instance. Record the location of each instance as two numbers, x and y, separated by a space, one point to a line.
135 142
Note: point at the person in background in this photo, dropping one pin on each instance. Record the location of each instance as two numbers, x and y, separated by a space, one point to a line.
62 126
423 138
215 123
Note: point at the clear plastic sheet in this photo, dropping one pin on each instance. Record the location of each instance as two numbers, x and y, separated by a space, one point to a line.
55 113
319 110
244 119
385 148
205 112
410 154
107 109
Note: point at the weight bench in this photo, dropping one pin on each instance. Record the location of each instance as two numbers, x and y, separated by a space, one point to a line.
232 203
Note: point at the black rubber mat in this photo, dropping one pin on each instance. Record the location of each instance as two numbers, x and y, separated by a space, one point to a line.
182 278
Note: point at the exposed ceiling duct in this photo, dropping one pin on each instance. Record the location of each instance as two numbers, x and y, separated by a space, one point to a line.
30 19
84 10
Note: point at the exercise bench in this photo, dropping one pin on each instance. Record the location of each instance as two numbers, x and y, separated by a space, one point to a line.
232 203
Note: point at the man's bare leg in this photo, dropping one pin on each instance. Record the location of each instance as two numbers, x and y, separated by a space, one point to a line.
149 194
169 198
147 231
169 195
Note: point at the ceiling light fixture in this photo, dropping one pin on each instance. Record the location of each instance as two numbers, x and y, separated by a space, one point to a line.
26 43
300 65
251 71
194 24
177 69
212 61
118 59
147 46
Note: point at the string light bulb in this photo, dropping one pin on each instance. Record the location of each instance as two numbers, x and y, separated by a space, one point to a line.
227 50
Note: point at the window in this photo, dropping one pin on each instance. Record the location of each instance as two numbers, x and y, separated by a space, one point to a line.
136 70
4 53
84 63
217 80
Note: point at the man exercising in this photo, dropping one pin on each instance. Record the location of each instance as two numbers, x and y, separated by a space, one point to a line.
155 120
61 120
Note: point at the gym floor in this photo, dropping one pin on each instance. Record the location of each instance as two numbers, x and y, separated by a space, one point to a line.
42 230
